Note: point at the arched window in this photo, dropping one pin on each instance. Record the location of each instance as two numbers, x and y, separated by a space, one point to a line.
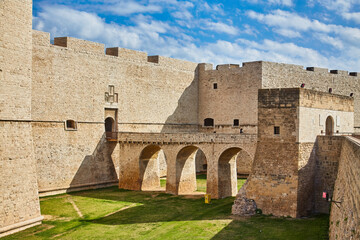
329 130
208 122
109 124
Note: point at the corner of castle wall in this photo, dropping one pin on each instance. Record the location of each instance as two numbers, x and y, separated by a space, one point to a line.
40 38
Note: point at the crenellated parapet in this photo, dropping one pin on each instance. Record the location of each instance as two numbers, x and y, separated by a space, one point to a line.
79 45
88 47
128 54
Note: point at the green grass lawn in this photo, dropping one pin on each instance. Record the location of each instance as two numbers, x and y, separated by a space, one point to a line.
112 213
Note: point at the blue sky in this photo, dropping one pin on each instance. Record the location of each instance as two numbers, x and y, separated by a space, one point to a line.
321 33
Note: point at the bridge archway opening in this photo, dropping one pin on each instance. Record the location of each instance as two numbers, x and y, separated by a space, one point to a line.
329 130
189 161
227 173
152 165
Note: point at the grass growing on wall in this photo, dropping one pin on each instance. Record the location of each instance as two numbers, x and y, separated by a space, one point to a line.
120 214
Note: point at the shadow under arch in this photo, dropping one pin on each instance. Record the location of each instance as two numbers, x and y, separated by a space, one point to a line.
227 172
186 169
149 165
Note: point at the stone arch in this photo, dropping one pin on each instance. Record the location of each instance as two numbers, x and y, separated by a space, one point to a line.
149 176
227 173
329 126
186 170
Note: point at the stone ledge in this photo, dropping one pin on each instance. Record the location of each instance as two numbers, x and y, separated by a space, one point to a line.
17 227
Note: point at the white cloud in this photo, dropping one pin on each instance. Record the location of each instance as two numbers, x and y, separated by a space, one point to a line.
355 16
128 7
287 3
186 15
218 27
338 5
157 37
287 33
288 20
335 42
341 7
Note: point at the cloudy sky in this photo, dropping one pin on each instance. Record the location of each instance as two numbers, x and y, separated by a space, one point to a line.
322 33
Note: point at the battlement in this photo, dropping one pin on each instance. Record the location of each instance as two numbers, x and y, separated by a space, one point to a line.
79 45
128 54
43 39
285 66
172 63
227 66
295 97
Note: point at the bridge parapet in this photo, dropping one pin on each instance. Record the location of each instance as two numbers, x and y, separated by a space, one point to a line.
184 138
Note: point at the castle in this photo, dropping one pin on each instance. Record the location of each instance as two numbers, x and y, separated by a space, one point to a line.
76 116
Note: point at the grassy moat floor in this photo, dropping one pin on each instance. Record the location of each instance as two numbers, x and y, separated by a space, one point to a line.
113 213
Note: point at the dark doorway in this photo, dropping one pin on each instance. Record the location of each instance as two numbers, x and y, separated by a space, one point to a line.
109 124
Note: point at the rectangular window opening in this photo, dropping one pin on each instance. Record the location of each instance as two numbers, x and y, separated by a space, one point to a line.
70 125
236 123
215 86
276 130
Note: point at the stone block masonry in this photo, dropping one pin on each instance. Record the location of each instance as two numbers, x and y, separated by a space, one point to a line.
345 215
289 173
19 201
55 99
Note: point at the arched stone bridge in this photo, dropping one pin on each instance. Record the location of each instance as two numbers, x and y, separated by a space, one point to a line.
139 160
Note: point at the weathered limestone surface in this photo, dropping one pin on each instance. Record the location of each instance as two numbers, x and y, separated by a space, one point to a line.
345 216
179 150
74 75
242 205
234 98
19 201
328 153
289 172
279 75
73 159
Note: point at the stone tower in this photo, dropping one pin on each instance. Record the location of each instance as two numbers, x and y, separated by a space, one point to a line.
284 169
18 184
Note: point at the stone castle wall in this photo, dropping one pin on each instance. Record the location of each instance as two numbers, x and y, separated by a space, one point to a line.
289 175
19 201
274 179
70 78
235 96
278 75
345 216
327 162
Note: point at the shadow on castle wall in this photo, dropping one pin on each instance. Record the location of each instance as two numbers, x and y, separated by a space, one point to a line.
306 181
97 168
185 116
319 175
